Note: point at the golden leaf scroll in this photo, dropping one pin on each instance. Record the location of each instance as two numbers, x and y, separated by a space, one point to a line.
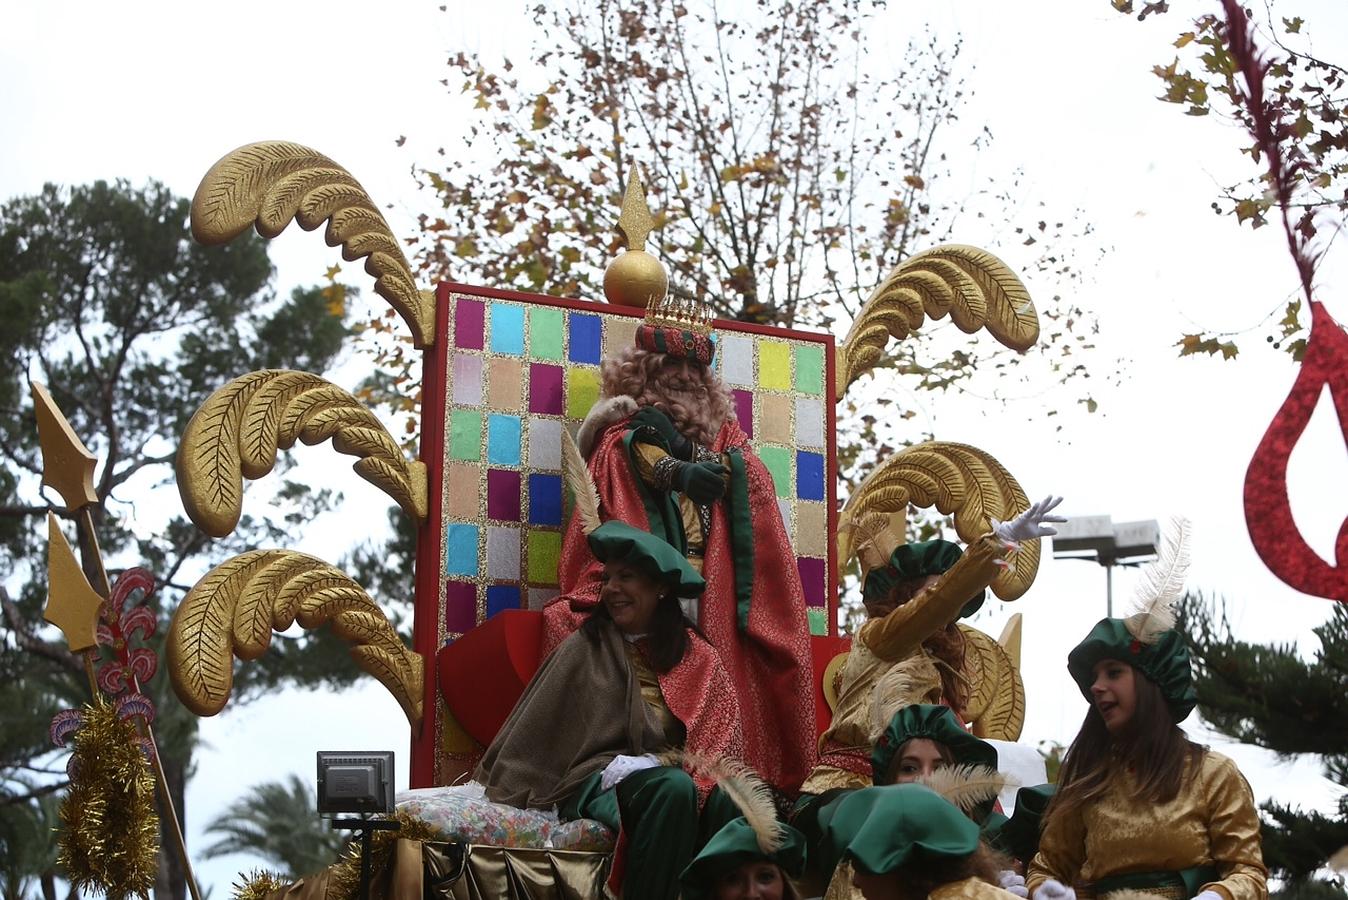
233 610
974 287
996 704
269 183
955 479
236 434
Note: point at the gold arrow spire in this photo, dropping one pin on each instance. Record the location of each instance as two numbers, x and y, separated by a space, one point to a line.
67 465
72 605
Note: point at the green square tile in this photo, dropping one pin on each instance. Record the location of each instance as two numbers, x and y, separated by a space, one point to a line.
818 620
545 333
545 554
582 390
778 461
465 435
809 368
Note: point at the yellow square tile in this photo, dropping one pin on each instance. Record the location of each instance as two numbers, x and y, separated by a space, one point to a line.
774 365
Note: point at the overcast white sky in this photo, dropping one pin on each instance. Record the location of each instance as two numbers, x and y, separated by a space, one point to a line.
160 89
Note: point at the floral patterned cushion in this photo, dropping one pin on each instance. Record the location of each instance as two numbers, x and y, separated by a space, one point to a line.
462 813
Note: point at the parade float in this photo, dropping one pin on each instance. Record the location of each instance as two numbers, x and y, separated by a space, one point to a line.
507 381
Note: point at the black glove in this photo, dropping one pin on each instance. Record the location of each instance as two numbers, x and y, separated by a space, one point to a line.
654 420
701 482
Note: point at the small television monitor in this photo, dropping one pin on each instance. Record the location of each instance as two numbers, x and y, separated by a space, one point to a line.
355 781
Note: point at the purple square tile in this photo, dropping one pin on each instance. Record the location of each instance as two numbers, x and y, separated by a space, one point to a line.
545 389
460 606
744 410
503 495
469 318
811 579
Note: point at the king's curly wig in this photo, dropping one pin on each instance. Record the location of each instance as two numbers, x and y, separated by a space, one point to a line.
689 393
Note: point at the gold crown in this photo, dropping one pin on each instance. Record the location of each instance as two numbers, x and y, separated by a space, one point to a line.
685 314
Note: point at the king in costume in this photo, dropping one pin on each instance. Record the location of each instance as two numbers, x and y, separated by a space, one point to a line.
667 455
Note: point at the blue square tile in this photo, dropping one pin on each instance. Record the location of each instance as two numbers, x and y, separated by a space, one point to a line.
586 336
545 499
507 329
809 476
503 440
461 549
502 596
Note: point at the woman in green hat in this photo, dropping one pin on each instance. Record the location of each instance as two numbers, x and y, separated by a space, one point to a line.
1139 806
635 680
746 861
906 842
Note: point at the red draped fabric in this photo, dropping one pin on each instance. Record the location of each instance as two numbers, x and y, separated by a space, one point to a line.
769 663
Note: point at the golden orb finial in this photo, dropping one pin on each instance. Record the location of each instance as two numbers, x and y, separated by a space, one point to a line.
635 278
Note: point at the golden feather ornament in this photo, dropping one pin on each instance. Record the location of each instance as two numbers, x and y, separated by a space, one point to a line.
271 183
238 430
233 610
976 289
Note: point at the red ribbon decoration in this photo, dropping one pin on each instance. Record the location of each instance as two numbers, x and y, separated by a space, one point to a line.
1268 512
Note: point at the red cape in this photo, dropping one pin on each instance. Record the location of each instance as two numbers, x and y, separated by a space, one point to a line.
769 663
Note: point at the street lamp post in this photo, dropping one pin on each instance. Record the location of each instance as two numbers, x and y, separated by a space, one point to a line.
1100 539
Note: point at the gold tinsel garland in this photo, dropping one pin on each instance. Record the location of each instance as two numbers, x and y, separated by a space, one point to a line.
345 875
258 884
110 842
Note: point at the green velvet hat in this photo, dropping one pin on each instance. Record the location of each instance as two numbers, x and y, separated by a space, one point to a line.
733 846
937 723
883 828
616 541
1165 662
918 560
1019 835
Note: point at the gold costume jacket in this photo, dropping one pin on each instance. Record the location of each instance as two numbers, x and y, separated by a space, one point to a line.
1212 821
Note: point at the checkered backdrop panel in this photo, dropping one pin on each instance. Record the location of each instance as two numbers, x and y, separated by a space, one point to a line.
519 369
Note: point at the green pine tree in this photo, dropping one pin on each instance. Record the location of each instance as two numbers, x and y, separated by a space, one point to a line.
1270 696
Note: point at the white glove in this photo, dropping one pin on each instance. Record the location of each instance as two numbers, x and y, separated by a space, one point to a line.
1012 882
1030 524
1208 895
622 766
1054 890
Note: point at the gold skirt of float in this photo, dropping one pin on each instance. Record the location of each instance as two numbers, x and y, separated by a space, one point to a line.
479 872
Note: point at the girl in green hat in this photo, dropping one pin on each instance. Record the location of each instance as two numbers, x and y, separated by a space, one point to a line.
637 679
1139 806
747 861
906 842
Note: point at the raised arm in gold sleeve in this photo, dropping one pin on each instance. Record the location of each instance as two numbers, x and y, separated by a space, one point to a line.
899 634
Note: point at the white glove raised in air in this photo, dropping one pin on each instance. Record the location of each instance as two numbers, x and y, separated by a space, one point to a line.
1208 895
1031 524
622 766
1054 890
1012 882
